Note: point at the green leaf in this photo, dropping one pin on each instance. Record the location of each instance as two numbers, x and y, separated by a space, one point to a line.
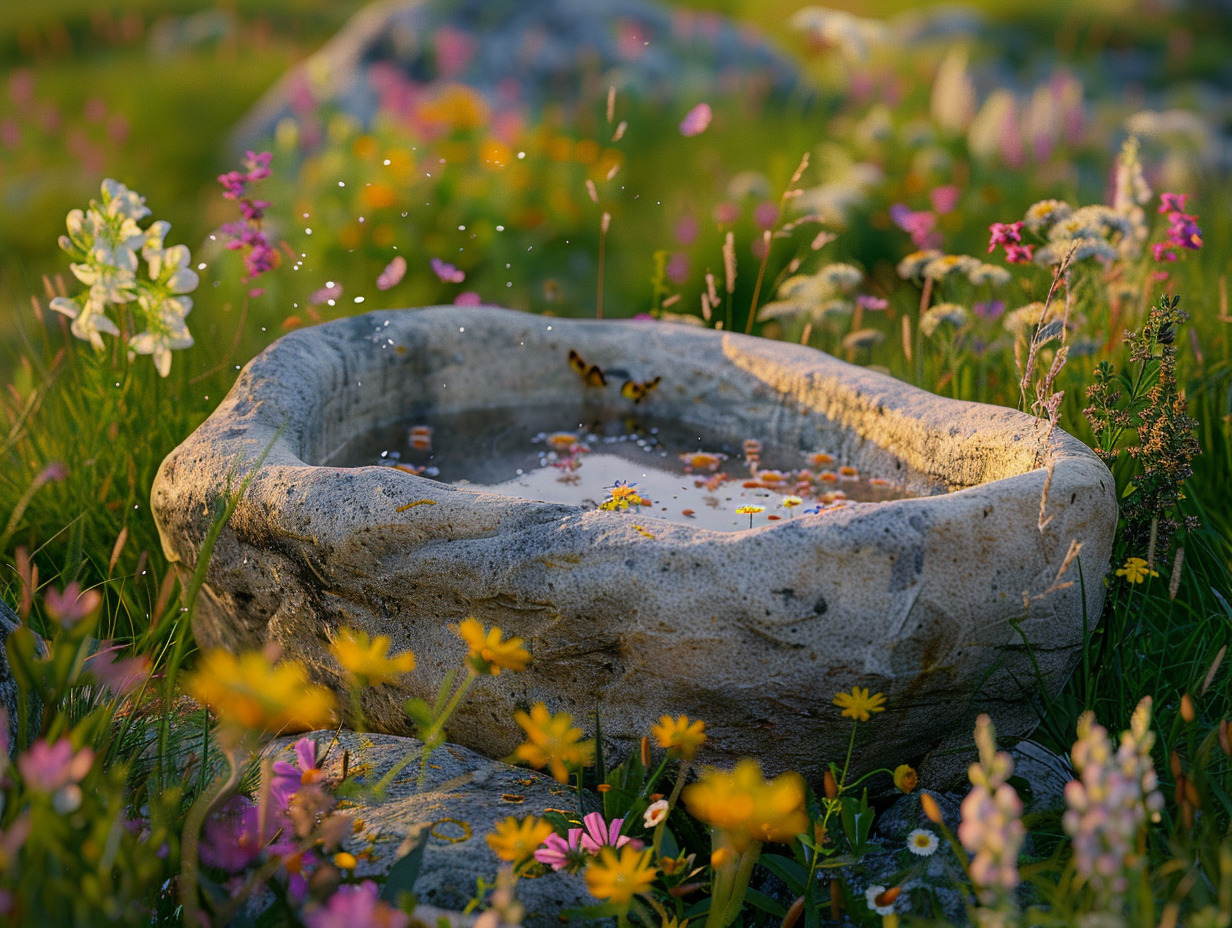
402 875
760 900
787 870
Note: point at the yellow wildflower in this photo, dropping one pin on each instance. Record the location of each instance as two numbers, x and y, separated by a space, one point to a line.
618 876
552 741
368 658
515 841
1136 570
679 735
489 654
858 704
747 806
750 510
905 778
253 691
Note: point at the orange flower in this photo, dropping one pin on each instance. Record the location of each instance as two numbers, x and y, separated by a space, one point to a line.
680 736
747 807
489 654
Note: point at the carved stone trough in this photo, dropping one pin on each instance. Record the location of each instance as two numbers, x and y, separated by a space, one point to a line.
939 601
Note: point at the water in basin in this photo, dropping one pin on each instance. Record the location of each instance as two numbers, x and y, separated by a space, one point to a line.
635 466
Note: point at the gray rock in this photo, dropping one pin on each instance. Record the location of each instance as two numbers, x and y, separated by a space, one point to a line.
9 692
463 797
522 54
753 631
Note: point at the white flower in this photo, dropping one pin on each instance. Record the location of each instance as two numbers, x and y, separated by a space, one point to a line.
120 201
988 274
870 896
922 842
851 35
655 813
942 267
842 277
92 323
913 265
1044 213
65 306
108 283
950 314
160 344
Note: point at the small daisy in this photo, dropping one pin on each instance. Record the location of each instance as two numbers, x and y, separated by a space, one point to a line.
922 842
871 895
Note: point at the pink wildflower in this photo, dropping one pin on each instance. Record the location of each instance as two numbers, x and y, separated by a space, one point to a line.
288 777
120 675
247 236
447 272
353 906
393 273
1019 254
1003 233
991 826
563 853
72 605
921 226
1172 202
55 770
696 121
944 199
597 834
467 298
331 291
865 301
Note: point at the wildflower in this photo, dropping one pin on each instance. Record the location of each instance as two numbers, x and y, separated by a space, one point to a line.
746 806
988 274
1136 570
680 736
1043 214
55 770
120 675
516 841
875 892
905 778
447 272
919 225
875 303
1019 254
1109 804
702 460
563 853
247 235
552 742
288 778
791 502
991 827
596 834
696 121
356 905
922 842
858 704
655 813
253 691
367 660
489 652
12 840
344 861
913 265
393 273
619 876
840 277
750 511
1004 234
72 605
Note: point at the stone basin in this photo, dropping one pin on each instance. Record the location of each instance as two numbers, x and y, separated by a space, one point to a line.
927 599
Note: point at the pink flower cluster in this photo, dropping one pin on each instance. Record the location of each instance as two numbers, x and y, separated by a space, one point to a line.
1183 231
56 770
1108 806
259 255
1010 235
991 826
571 852
921 226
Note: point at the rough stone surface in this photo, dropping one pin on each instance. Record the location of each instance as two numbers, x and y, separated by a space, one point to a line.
521 54
9 693
462 798
753 631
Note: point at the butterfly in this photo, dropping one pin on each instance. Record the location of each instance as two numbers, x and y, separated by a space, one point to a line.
592 374
632 390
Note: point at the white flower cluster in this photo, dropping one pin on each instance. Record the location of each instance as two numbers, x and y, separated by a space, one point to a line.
819 296
1108 806
104 241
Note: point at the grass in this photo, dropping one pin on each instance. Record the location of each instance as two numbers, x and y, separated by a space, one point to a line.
111 420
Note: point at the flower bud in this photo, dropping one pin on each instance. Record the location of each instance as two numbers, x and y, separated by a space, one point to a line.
646 751
1187 709
932 811
831 785
888 897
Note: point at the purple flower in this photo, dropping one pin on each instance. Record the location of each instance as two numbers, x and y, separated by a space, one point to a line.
1172 202
288 777
678 268
766 214
686 230
392 275
230 838
71 606
447 272
354 906
696 120
919 225
989 309
866 301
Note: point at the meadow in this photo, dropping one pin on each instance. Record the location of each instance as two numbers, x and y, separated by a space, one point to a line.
1032 215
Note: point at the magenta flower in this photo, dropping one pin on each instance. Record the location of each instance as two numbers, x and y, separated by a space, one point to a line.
919 225
1172 202
467 298
447 272
596 834
1003 233
1019 254
944 199
393 273
696 121
766 214
563 853
865 301
247 236
353 906
230 838
289 777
